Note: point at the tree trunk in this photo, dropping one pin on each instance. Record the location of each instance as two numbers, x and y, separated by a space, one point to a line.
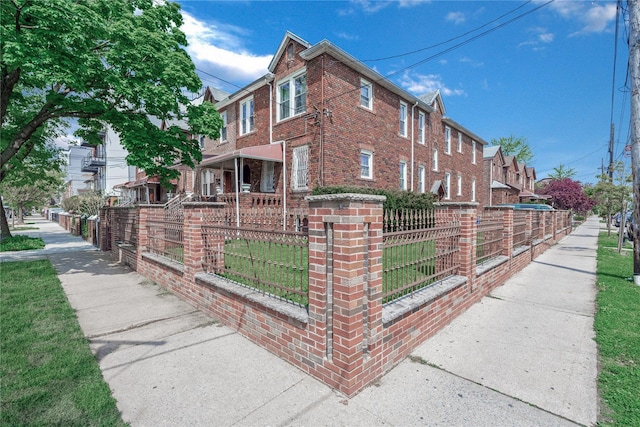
4 225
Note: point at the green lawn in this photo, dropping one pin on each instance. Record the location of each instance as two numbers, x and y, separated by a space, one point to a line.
48 375
617 326
20 243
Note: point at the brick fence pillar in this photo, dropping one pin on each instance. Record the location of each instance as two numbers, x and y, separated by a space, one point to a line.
465 258
143 236
507 232
345 285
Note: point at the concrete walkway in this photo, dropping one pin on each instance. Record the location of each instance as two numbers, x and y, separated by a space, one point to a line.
523 356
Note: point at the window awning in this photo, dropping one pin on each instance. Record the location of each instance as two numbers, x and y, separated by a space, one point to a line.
269 152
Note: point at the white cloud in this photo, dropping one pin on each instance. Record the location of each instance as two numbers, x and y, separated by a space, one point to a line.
540 37
593 17
470 62
425 83
347 36
218 50
455 17
411 3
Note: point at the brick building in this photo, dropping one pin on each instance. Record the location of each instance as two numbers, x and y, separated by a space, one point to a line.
320 117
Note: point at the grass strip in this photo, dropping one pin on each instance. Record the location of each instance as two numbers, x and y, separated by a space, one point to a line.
20 243
618 335
48 375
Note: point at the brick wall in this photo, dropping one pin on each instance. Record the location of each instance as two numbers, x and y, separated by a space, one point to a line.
345 337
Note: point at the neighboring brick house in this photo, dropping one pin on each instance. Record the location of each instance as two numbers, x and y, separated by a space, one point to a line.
507 181
320 117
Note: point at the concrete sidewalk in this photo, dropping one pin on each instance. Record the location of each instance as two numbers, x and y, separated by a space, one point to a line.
523 356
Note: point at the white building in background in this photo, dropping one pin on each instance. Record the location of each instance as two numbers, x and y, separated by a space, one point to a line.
75 177
107 165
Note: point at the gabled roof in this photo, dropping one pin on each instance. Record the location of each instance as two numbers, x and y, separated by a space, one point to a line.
434 97
283 47
491 151
531 172
510 160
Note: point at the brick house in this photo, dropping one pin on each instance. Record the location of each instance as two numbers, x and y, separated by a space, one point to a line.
320 117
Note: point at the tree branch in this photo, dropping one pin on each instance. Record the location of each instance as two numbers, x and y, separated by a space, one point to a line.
9 80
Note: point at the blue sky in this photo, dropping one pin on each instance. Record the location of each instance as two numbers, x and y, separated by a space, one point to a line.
547 76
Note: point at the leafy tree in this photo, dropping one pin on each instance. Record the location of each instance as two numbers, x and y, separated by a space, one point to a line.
83 204
568 194
515 146
102 62
561 171
25 189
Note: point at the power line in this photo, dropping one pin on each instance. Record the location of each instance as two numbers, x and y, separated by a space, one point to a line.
451 39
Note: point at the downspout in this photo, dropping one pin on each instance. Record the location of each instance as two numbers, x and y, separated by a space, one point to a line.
284 154
235 164
490 184
284 184
412 141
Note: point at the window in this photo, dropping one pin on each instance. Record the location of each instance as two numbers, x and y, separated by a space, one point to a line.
421 179
223 130
300 168
403 175
447 140
366 94
459 185
267 184
246 116
366 164
447 185
473 190
435 159
292 96
403 119
473 152
201 141
208 183
290 52
459 142
421 128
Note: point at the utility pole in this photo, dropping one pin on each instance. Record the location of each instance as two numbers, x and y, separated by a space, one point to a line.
611 137
634 68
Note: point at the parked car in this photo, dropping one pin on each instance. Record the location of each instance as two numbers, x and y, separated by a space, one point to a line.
534 206
617 218
630 228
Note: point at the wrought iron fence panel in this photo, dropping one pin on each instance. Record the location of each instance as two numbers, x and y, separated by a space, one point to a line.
165 233
490 235
414 259
273 262
519 228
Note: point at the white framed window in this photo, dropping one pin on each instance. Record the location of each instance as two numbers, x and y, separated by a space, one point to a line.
434 159
421 128
292 96
421 176
267 182
366 94
246 116
447 140
201 141
208 183
403 175
447 185
459 185
459 142
473 190
366 164
300 168
223 129
473 152
403 119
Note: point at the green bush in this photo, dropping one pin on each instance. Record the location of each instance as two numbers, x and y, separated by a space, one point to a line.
396 199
